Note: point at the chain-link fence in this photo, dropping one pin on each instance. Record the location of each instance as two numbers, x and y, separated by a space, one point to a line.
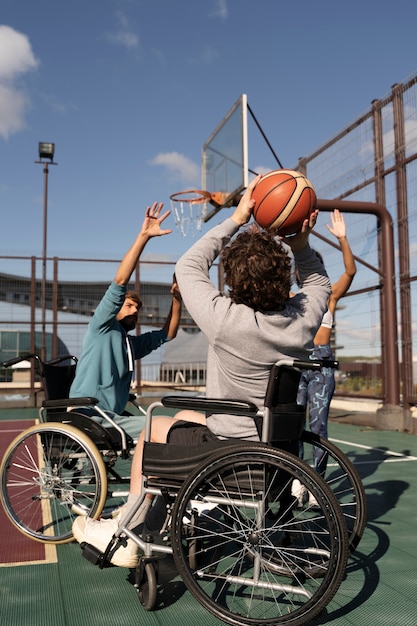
374 160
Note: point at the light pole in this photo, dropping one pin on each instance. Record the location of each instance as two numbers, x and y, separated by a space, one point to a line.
46 158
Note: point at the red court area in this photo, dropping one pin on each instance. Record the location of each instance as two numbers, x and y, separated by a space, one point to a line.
16 548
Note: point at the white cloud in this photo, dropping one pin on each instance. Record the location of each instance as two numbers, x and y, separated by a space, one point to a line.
58 106
124 38
220 10
179 166
159 55
208 55
13 105
124 35
260 169
16 58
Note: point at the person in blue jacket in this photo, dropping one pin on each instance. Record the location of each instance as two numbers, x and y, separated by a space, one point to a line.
106 364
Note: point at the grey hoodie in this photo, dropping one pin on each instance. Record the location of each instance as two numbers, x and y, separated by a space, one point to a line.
243 343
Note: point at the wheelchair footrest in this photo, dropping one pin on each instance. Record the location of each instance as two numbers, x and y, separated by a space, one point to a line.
93 554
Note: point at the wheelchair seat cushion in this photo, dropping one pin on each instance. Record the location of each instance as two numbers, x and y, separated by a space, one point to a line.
185 433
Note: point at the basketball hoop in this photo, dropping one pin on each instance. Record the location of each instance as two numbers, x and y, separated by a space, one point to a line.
189 209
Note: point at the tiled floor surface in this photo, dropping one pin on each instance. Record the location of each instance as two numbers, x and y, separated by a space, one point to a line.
380 585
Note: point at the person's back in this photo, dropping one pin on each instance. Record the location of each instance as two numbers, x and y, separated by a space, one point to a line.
244 338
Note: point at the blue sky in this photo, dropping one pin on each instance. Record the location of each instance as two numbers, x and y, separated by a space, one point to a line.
130 89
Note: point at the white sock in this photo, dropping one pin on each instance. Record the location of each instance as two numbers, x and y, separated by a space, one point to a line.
140 515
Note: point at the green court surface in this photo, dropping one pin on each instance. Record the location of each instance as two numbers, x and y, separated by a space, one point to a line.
63 589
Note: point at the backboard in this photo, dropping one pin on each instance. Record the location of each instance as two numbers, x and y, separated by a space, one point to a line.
224 172
225 157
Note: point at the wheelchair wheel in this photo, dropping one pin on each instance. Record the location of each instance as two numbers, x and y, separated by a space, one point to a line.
146 585
49 473
343 479
243 548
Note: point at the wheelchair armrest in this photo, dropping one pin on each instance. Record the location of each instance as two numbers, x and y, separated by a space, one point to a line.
315 365
211 405
66 402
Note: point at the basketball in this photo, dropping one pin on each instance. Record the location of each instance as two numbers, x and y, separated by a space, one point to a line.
283 200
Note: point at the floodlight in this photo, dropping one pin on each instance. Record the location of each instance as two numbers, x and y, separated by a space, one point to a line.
46 150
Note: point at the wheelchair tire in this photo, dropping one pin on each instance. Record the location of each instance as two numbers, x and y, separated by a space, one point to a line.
49 473
255 557
343 479
147 587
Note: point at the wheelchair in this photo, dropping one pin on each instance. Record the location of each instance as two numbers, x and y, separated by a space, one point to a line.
243 548
67 464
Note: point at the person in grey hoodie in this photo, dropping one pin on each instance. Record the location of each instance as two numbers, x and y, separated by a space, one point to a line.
248 330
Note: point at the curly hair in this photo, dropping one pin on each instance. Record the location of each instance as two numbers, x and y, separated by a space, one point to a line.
257 270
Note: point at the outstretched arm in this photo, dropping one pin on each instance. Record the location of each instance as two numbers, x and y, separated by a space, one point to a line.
174 316
151 227
338 230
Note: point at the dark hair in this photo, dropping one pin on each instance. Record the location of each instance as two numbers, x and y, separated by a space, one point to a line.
132 295
257 270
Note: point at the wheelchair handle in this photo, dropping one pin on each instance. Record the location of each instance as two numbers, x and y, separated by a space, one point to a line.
19 359
29 355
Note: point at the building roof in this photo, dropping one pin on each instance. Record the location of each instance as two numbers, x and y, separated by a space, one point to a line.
187 347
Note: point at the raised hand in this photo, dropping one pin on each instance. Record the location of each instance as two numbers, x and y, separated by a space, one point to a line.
338 227
300 240
244 209
151 226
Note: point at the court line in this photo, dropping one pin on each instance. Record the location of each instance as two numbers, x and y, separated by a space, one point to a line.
26 544
400 455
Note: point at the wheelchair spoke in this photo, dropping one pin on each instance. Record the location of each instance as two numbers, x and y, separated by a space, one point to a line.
247 552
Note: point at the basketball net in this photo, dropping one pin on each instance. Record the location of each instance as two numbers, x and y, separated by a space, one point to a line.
189 209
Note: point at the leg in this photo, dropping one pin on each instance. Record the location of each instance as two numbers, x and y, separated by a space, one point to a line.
321 389
131 424
99 533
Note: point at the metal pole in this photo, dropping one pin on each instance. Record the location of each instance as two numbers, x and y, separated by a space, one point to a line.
46 158
390 339
44 253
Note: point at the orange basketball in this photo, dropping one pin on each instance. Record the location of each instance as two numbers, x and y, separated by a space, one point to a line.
283 200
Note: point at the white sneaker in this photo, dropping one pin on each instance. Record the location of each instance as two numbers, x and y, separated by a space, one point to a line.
300 492
312 502
98 533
